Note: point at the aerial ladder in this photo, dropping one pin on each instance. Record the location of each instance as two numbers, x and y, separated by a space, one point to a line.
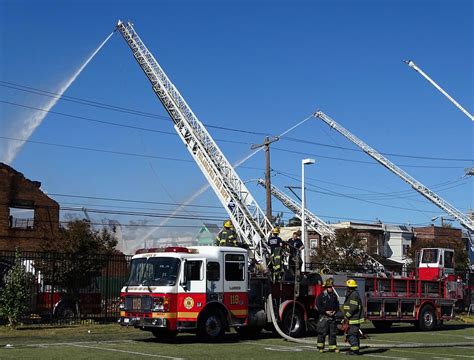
463 219
312 221
317 224
247 217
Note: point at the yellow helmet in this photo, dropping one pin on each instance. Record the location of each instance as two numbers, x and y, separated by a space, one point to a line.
328 283
351 283
276 230
228 224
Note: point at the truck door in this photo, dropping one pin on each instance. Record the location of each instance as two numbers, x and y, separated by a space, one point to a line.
235 283
192 289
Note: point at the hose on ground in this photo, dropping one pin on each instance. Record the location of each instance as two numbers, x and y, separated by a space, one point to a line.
377 346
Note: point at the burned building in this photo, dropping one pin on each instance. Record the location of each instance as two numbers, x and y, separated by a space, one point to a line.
28 217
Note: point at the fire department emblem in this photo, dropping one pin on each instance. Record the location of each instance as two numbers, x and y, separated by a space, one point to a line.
188 303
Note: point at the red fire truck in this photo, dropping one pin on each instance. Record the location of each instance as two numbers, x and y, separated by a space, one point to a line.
209 290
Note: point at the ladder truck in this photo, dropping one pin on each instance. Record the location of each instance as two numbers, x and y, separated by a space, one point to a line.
209 289
320 226
463 219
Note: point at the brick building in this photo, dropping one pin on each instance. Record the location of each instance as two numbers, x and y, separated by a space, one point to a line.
443 236
372 235
28 217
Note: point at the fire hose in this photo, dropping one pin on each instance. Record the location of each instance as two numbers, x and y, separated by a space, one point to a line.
377 346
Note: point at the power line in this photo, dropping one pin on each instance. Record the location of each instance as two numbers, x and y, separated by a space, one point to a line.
363 161
190 161
385 195
104 122
337 194
81 101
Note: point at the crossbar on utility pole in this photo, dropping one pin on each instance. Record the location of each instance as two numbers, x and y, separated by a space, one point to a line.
266 146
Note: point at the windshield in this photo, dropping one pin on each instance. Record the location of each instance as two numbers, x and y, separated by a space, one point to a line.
429 256
154 271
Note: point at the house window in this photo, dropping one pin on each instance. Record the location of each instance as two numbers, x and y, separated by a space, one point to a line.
405 250
21 218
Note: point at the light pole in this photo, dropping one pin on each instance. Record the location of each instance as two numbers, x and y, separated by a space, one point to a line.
305 255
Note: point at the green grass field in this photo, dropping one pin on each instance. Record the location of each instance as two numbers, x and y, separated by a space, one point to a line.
115 342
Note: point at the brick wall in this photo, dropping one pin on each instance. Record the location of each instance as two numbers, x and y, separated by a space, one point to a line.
18 192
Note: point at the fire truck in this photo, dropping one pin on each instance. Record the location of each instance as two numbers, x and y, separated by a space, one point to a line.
209 290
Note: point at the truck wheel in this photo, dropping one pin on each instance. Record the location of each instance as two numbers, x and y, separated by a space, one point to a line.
427 319
293 323
164 334
248 332
66 312
382 324
211 325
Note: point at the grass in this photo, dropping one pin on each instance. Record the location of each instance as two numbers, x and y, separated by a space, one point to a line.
115 342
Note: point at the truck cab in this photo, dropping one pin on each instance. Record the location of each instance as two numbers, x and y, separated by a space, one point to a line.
202 288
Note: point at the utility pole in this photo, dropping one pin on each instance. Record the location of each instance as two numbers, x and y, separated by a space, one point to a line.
266 147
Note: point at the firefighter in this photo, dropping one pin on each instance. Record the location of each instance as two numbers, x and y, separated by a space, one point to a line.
327 305
296 245
275 243
227 236
353 316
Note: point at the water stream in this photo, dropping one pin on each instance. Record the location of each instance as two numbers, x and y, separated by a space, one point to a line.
25 127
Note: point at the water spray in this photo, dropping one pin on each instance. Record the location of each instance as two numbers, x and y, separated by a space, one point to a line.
24 129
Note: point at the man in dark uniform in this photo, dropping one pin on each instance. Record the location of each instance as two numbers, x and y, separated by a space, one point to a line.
353 316
275 243
296 245
327 305
227 236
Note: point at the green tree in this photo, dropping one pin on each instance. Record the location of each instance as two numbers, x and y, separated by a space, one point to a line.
342 253
17 290
79 255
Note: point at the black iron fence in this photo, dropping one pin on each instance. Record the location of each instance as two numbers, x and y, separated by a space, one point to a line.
66 287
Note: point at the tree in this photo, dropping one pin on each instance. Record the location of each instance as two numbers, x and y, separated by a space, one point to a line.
17 290
78 256
342 253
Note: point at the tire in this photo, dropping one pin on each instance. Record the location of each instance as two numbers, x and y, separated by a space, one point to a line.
293 323
164 334
212 326
427 319
382 324
66 312
249 332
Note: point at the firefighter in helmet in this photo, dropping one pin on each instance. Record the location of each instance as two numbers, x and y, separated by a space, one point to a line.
353 316
227 236
327 305
295 246
275 243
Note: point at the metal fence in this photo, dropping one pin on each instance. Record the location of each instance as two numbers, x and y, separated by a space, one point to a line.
70 287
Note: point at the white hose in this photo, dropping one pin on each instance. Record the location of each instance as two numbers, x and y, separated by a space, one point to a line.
378 346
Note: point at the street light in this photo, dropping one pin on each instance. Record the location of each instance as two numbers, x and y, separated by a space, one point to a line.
303 222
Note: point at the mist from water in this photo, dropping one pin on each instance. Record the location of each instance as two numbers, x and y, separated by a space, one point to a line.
25 128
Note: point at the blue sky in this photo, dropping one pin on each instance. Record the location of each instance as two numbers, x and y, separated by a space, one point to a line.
259 66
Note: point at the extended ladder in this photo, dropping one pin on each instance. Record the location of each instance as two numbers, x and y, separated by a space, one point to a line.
249 220
463 219
319 225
